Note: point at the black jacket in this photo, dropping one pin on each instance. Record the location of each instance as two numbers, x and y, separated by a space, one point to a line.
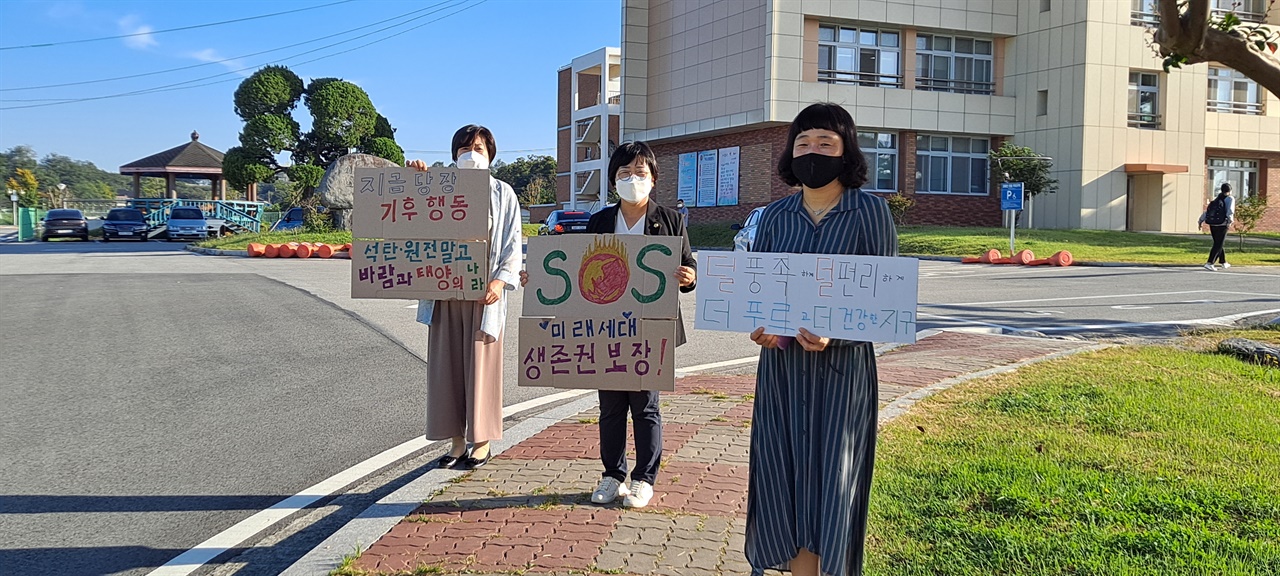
658 221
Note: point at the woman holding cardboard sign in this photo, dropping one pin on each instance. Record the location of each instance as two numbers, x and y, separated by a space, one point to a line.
634 169
464 349
814 426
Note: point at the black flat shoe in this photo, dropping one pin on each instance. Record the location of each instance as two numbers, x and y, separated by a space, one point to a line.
448 461
469 463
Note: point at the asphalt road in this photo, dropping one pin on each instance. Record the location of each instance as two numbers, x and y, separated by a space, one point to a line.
155 397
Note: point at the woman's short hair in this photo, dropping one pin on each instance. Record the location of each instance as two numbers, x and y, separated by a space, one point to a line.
1226 187
466 136
626 154
833 117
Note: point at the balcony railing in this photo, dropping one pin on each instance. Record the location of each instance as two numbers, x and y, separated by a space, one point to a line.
1147 19
1142 120
860 78
957 86
1232 107
1255 17
615 100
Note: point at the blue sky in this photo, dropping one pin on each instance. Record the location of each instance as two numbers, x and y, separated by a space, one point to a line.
493 63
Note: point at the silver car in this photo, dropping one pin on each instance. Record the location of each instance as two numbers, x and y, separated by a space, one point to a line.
745 239
187 222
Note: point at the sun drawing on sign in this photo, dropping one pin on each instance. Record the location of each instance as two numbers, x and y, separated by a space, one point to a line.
604 275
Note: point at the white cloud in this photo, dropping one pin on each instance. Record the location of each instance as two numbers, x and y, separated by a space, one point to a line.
233 64
130 25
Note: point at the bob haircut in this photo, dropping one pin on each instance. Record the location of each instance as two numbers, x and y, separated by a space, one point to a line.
833 117
626 154
467 135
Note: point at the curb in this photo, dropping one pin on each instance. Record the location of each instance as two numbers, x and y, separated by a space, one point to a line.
245 253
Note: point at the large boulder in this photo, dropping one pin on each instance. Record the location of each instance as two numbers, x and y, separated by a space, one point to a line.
337 188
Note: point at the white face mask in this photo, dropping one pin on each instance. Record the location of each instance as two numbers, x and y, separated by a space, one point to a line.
633 189
470 159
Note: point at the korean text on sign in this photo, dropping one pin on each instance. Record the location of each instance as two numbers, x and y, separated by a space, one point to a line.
863 298
403 203
419 269
614 353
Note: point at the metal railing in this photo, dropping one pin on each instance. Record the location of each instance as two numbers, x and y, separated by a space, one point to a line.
238 214
956 86
860 78
1233 107
1253 17
1140 120
1147 19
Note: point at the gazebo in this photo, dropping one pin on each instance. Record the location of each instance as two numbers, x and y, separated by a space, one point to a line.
190 160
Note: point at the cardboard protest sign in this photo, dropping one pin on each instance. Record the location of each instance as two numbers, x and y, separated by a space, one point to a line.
403 204
600 275
862 298
419 269
607 353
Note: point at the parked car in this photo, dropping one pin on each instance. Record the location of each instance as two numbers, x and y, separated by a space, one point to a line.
64 223
745 239
565 222
294 219
124 223
187 222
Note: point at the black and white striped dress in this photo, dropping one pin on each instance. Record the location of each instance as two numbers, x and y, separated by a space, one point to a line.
814 426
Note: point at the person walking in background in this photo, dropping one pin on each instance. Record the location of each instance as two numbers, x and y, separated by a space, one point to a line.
464 345
1219 215
634 170
813 430
684 212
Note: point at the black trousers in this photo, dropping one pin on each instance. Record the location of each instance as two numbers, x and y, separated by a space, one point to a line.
643 407
1219 237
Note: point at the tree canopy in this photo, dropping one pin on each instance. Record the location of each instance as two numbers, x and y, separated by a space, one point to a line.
535 170
1189 33
342 117
1012 163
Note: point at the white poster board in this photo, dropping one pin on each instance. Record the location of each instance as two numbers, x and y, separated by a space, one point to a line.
727 188
687 188
707 175
861 298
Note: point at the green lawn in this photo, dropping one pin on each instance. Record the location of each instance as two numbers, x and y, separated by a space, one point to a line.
1087 245
1135 460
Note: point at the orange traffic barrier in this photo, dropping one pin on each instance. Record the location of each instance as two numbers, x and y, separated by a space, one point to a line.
1023 257
985 258
271 251
326 250
256 249
288 250
346 247
305 250
1059 258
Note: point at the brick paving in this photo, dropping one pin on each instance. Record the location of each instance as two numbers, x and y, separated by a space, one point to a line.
529 510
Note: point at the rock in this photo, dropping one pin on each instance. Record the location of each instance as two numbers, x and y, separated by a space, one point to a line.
337 188
1251 350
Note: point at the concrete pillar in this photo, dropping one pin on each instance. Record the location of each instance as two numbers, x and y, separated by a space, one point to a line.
170 188
137 186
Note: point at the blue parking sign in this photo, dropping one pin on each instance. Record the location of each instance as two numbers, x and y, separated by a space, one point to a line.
1011 196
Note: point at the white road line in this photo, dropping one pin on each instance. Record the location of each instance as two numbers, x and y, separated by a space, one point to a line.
966 321
714 365
1219 321
1099 297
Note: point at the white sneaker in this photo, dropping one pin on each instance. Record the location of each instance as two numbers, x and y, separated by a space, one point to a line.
1210 268
1226 265
641 493
610 489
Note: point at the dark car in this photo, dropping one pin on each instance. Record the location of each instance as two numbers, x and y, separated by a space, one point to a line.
124 223
64 223
566 222
294 219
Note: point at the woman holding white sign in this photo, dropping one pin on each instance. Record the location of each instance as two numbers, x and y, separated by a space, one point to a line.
464 348
814 425
634 170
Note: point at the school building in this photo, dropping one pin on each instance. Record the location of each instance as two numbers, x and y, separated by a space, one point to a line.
933 85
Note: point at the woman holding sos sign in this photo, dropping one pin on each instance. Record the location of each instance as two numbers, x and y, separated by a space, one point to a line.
634 169
814 426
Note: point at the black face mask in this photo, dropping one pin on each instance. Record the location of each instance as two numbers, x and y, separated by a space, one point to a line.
817 170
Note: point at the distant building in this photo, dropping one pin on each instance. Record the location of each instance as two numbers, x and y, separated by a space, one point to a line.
934 85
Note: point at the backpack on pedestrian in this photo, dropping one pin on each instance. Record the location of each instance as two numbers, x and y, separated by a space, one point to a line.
1216 213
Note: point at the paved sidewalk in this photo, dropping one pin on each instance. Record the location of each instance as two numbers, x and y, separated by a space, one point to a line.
529 510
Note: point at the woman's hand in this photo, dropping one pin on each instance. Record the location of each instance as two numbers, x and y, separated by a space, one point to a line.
764 340
418 165
494 292
812 342
524 278
686 276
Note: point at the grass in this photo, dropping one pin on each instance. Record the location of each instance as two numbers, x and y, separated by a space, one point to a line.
1087 245
529 229
1126 461
711 234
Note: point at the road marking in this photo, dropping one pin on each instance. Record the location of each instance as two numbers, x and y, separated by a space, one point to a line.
1099 297
1043 312
714 365
193 559
1219 321
967 321
1129 307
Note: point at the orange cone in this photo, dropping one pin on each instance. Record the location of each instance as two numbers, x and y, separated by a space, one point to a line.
1023 257
271 251
326 250
305 250
288 250
345 247
986 257
1059 258
255 250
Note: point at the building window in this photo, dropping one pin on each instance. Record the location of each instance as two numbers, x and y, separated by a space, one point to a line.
1241 174
1144 100
1045 5
881 150
1042 103
1246 10
859 56
953 64
1143 13
1233 92
952 164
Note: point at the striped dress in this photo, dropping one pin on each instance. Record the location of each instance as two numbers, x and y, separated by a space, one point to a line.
814 426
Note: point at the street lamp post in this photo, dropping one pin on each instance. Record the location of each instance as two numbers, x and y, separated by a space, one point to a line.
13 197
61 198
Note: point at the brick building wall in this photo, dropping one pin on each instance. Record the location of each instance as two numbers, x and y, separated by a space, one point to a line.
758 183
1268 182
944 209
